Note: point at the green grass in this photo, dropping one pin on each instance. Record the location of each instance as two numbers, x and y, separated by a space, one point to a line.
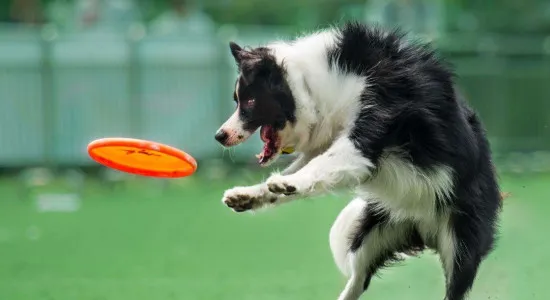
136 243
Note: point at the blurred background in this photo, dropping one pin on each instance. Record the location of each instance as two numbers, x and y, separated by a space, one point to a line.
75 70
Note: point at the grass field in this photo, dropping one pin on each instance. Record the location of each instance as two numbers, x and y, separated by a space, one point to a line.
136 243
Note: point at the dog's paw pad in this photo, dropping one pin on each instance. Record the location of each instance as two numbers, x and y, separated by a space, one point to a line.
278 185
240 200
239 203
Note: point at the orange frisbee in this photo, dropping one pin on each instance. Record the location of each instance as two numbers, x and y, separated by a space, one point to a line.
142 157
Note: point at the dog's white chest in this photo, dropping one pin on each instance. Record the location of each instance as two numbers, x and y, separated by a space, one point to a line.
407 192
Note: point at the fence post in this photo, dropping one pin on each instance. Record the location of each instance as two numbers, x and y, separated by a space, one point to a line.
46 39
134 37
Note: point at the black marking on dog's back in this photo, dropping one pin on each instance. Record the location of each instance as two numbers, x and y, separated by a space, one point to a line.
410 98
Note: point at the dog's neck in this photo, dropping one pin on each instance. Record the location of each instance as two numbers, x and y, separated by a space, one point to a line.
320 91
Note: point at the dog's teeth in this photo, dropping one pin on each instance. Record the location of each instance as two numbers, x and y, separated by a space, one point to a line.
258 156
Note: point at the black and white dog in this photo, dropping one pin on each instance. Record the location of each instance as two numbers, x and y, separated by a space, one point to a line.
370 111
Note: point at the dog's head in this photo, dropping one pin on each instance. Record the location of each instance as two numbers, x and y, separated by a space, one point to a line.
263 100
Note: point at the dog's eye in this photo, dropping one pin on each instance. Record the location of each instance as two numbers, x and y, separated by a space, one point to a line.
250 103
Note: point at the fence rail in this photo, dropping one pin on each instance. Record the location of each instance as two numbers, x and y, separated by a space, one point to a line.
58 93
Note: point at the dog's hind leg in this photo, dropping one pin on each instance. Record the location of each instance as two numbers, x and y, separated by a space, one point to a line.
340 238
364 239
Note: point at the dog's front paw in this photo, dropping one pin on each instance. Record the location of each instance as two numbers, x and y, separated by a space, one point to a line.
246 198
279 184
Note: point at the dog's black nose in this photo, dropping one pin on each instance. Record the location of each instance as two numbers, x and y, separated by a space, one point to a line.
221 136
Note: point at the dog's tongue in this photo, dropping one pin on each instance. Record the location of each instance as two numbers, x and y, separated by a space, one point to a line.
267 152
265 155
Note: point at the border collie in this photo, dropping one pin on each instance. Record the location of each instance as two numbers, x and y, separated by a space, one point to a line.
369 110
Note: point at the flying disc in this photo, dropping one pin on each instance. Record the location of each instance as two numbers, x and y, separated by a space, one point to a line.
142 157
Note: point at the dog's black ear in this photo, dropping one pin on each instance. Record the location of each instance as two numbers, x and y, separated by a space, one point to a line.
249 62
236 51
242 55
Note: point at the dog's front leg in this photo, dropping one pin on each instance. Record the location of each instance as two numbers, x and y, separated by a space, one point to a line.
298 163
257 196
342 164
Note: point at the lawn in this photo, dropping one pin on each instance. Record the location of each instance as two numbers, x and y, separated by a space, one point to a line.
140 242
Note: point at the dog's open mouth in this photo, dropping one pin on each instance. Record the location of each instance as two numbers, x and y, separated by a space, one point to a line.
272 143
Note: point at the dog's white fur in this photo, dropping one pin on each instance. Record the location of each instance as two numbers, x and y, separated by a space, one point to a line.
234 128
327 102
